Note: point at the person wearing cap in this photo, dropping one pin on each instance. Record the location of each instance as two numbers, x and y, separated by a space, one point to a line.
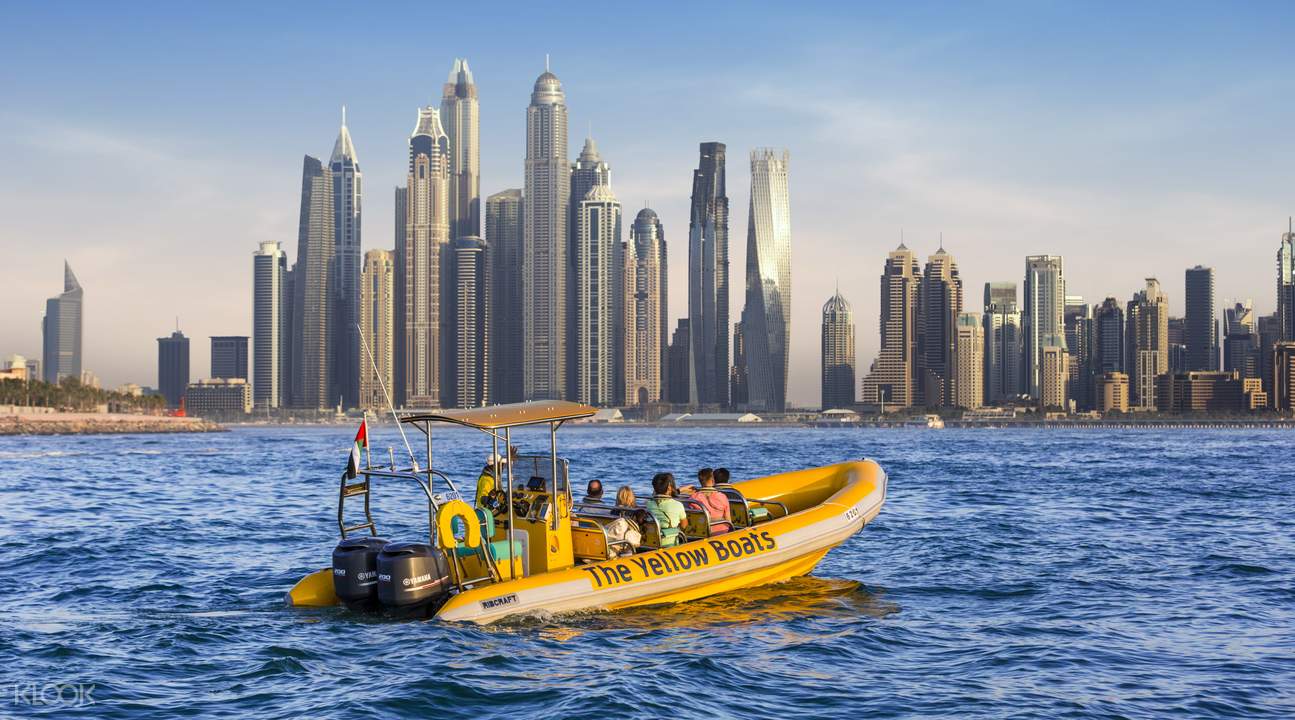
487 482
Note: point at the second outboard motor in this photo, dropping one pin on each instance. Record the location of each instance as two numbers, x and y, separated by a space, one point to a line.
413 578
355 572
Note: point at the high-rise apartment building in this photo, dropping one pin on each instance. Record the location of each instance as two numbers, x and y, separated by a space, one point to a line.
968 376
377 328
708 280
1054 378
939 302
1044 316
1283 379
470 371
507 337
460 116
1146 343
1002 353
61 330
1177 345
545 242
1286 284
229 356
766 317
677 389
314 289
737 377
1202 328
837 354
1241 341
348 194
422 267
587 172
598 309
1108 337
1270 333
1079 343
890 382
271 351
646 343
173 367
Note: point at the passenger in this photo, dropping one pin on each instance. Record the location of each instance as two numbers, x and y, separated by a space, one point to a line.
715 502
669 513
625 533
722 476
625 498
487 482
594 493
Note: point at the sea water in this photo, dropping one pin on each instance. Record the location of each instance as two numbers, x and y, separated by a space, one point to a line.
1012 573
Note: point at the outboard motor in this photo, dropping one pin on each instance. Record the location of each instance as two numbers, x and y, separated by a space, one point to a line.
413 578
355 572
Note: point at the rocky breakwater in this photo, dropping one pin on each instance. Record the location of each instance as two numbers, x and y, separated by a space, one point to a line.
89 423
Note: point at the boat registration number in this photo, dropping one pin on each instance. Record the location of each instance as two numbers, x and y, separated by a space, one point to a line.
669 561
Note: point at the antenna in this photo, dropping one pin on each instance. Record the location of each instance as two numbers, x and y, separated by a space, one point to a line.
546 62
343 116
413 462
941 240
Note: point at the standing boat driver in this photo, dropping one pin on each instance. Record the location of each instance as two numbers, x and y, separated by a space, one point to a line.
668 512
488 480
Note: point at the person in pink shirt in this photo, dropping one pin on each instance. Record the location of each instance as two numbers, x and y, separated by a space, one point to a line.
715 502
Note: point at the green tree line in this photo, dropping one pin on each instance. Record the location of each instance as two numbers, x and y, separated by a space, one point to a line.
71 395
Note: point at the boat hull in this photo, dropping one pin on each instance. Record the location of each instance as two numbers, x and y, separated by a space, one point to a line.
769 552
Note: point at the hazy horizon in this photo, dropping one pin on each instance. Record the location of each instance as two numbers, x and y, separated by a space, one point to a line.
154 146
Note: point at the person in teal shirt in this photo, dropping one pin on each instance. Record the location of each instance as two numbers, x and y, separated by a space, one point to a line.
666 510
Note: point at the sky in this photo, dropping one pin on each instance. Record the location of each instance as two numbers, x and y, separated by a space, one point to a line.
154 145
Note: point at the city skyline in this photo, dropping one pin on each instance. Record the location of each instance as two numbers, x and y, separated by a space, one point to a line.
1233 228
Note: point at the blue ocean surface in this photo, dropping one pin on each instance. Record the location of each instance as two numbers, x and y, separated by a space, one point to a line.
1012 573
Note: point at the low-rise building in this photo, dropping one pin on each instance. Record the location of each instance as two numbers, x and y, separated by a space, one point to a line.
1200 392
1113 392
218 397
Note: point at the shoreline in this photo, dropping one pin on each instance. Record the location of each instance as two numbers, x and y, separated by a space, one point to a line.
101 424
1160 424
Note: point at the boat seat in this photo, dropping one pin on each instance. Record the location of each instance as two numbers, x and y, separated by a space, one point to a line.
498 548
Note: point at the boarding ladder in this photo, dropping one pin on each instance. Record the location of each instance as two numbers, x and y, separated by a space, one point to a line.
351 488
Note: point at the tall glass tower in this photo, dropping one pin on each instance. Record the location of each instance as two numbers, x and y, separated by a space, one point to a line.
544 264
508 344
61 329
837 354
347 195
708 286
598 296
646 341
1044 317
269 325
314 289
461 118
766 319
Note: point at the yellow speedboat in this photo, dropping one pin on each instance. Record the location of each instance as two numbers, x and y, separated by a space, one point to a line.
530 549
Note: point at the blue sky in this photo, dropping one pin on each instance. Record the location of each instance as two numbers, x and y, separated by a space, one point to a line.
154 145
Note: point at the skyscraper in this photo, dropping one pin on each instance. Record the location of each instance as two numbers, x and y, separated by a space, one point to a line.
545 242
837 354
890 383
377 328
1146 343
229 356
1079 343
737 377
587 172
508 342
1286 284
173 367
644 280
1241 341
708 281
423 273
470 371
348 193
968 389
400 294
271 352
678 392
1043 320
1108 338
766 317
1202 329
61 330
939 302
313 308
1177 345
1002 342
598 296
1054 375
461 117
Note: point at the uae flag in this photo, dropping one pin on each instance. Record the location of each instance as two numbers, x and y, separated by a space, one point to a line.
361 443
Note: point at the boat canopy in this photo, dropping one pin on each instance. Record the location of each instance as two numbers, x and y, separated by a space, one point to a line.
496 417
